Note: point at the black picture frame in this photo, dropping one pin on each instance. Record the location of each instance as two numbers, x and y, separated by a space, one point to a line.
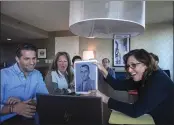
120 48
42 53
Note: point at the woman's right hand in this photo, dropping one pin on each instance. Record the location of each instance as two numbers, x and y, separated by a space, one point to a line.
102 69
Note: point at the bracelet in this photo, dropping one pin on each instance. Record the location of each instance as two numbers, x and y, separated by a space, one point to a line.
11 108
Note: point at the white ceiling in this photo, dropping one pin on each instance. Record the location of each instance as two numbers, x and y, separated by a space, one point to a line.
50 16
54 15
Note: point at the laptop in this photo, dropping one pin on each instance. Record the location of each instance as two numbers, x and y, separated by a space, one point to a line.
69 110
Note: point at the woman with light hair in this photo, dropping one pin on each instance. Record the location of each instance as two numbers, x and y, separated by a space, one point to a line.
59 79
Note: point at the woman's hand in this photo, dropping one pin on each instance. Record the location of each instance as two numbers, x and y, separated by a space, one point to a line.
102 69
97 93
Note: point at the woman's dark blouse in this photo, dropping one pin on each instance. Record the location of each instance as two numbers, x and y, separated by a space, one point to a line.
156 97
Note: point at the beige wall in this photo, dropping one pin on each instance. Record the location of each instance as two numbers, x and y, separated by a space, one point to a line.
102 47
157 38
68 44
8 50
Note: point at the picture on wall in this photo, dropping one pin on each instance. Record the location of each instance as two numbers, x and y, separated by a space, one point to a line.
120 48
41 53
86 76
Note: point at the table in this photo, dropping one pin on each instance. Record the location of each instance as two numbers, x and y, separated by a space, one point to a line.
120 118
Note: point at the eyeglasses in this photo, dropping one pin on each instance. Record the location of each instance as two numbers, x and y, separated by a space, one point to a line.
132 66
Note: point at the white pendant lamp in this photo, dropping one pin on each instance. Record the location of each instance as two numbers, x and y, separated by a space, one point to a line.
107 19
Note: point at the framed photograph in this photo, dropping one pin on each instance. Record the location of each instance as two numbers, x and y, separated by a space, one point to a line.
120 48
86 76
41 53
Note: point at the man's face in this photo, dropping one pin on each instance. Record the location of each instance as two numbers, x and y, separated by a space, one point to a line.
27 61
105 63
84 72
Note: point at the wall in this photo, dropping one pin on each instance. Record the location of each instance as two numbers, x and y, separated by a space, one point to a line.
51 46
8 50
7 53
68 44
102 47
157 38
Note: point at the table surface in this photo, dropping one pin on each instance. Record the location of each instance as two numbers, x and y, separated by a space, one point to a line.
120 118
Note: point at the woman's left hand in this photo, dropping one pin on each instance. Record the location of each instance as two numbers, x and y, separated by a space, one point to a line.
97 93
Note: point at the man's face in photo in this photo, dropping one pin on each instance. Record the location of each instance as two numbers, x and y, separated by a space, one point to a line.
84 72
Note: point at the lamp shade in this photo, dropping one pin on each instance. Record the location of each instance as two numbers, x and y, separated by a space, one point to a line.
88 55
106 19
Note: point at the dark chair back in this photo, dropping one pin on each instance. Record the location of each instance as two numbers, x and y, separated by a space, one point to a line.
120 75
167 72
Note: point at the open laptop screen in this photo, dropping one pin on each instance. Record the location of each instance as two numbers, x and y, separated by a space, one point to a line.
69 110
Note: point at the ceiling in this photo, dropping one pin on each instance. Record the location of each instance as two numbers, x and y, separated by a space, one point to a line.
54 16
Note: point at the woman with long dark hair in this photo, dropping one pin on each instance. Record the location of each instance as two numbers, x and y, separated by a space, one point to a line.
155 88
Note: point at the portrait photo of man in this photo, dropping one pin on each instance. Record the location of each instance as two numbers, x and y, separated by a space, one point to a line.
85 76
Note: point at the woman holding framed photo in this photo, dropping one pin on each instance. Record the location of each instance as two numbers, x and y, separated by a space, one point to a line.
155 88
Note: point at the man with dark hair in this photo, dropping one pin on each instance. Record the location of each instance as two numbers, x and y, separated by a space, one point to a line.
87 84
19 85
106 63
76 58
155 57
